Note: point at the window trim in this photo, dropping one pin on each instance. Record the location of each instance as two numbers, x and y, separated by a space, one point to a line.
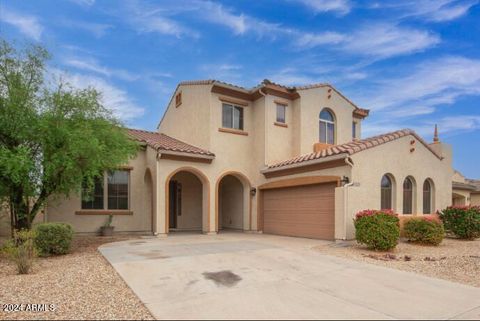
327 122
411 191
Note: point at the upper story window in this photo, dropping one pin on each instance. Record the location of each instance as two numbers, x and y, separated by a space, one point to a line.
354 130
178 99
281 113
117 191
232 116
327 127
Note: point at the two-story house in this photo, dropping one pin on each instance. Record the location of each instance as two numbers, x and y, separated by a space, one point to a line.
273 159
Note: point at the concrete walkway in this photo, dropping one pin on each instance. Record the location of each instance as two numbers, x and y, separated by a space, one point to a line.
250 276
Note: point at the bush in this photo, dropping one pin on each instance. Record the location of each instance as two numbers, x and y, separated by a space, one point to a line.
379 230
53 238
462 221
425 230
21 250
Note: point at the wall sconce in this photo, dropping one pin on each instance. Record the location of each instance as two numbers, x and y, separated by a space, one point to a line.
345 180
253 191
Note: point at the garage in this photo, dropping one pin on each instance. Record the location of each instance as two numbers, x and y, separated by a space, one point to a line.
302 211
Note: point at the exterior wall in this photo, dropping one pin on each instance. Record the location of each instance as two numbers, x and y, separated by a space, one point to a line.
191 216
189 122
312 101
461 197
61 209
475 199
396 159
231 203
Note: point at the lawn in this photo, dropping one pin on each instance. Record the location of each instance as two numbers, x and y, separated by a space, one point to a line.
454 260
81 285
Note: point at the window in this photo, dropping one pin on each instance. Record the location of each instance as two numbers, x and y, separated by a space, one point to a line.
178 99
118 190
386 193
427 197
407 196
92 199
354 130
281 113
327 127
232 117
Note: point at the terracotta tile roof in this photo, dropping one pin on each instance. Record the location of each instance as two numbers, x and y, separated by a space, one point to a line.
162 142
352 148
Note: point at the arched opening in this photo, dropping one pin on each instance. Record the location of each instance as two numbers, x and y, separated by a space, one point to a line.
459 200
428 197
148 197
233 202
387 192
187 195
409 195
327 127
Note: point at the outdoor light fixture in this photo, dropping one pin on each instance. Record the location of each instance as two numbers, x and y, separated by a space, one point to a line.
345 180
253 191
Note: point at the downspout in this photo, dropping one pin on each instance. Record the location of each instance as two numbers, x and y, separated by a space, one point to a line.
349 162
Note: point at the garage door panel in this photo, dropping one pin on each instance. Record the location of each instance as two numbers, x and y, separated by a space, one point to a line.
305 211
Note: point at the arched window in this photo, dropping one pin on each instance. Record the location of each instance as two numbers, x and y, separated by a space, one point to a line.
327 127
386 193
407 196
427 197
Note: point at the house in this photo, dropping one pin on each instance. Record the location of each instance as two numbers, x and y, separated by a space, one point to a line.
465 191
272 159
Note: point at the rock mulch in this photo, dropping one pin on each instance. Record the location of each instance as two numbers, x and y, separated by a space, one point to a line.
454 260
80 285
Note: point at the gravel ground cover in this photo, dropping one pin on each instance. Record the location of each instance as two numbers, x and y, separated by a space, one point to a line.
454 260
80 285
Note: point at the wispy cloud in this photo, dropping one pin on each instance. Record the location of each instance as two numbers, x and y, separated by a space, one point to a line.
430 10
113 98
97 29
341 7
90 64
380 40
86 3
29 25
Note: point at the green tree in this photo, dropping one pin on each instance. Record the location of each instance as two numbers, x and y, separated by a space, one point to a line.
53 137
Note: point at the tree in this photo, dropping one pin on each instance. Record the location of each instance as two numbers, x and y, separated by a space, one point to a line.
53 137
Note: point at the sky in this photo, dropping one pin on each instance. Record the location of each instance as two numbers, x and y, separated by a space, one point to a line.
413 63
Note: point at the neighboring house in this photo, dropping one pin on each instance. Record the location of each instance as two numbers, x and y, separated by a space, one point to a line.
465 191
281 160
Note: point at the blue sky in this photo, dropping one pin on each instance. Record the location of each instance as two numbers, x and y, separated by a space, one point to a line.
414 63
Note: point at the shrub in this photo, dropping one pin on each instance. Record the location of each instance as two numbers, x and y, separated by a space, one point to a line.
379 230
53 238
21 250
425 230
462 221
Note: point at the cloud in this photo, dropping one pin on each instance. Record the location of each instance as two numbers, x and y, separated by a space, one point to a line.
113 98
436 10
341 7
86 3
26 24
223 71
380 41
97 29
90 64
432 83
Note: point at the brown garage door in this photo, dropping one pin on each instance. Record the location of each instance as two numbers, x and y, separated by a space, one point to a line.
304 211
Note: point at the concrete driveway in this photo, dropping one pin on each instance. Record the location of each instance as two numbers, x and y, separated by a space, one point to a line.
252 276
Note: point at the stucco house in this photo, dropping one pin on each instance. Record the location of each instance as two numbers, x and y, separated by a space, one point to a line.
465 191
272 159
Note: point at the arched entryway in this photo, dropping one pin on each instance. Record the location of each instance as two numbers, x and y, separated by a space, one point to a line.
148 197
233 205
187 199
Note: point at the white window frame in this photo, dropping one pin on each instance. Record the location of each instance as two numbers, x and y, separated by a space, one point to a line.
232 107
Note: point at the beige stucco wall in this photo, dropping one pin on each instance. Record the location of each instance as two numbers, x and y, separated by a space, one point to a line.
61 209
475 199
396 159
191 216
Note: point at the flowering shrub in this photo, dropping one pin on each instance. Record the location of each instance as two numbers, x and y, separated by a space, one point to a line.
462 221
378 230
425 230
